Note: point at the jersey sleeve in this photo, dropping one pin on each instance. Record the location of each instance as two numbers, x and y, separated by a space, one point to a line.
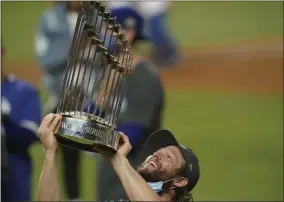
142 98
22 124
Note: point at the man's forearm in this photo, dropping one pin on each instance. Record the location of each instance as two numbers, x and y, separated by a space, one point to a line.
134 185
48 187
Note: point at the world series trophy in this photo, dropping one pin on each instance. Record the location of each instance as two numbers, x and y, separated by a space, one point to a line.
94 82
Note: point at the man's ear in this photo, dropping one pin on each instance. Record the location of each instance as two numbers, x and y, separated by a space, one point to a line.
180 182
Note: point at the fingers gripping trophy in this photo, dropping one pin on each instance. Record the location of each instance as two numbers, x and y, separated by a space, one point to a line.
94 82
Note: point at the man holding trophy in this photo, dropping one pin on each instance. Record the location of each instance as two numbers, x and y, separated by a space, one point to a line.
141 112
88 117
168 174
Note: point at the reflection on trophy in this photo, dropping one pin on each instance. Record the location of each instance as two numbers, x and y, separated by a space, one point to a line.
94 82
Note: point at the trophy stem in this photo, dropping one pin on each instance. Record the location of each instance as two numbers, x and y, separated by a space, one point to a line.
85 38
72 69
94 41
119 103
111 100
71 53
114 98
121 96
109 73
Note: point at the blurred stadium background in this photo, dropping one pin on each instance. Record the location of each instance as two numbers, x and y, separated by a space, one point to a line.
225 100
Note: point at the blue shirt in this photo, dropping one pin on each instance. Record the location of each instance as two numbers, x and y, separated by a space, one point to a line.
21 105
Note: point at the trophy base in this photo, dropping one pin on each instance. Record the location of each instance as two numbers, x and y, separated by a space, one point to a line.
84 133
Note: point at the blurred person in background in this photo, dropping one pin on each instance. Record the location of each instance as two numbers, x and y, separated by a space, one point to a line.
20 119
53 40
152 26
141 112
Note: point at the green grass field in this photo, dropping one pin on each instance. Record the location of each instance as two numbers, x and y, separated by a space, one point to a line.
238 137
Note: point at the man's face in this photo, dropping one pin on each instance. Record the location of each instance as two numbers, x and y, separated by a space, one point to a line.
162 165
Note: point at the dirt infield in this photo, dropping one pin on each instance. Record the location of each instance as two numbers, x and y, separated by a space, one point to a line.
249 68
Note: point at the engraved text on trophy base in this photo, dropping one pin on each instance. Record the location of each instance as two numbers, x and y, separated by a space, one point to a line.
87 132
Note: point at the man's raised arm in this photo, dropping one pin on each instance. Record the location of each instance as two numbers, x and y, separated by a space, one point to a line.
134 185
48 186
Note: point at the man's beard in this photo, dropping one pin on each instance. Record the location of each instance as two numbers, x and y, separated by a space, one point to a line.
150 176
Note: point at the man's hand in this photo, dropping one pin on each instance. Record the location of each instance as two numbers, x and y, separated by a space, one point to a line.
123 150
124 145
47 130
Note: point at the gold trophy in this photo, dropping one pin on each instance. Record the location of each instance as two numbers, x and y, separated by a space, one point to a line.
94 82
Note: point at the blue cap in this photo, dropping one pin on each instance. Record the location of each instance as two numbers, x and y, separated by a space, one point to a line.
130 19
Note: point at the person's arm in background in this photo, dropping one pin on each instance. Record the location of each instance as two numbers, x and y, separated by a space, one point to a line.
51 52
22 130
166 47
142 93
